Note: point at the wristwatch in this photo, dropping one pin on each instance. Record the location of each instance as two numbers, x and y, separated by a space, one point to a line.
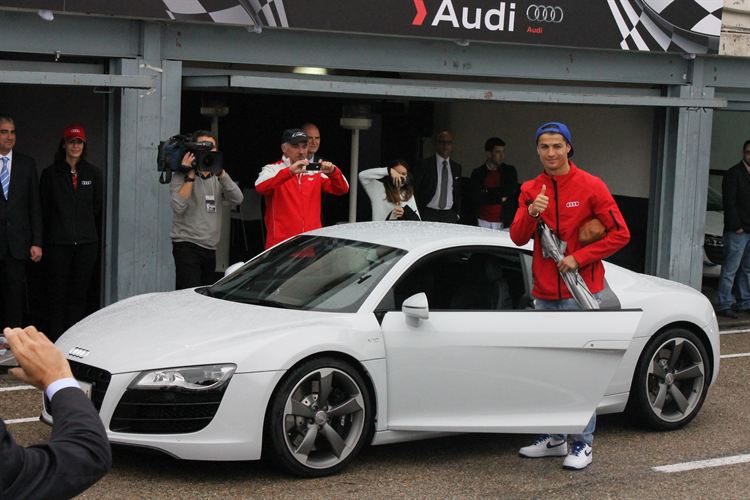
189 179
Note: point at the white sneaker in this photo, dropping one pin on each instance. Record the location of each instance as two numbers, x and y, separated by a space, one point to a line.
580 456
545 446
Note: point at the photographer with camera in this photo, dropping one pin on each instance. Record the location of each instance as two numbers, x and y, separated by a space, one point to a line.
292 188
198 198
391 192
77 454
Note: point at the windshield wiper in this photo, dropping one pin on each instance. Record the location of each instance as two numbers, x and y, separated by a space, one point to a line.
264 302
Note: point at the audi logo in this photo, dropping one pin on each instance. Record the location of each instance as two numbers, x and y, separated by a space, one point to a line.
78 352
544 14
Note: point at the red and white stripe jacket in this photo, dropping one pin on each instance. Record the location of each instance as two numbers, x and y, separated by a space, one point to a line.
574 198
293 201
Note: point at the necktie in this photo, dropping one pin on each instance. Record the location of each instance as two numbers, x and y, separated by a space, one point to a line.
5 176
445 175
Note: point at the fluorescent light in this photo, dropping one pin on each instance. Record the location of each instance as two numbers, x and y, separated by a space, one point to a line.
305 70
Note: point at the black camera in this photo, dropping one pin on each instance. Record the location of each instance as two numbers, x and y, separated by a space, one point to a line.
7 359
174 149
313 166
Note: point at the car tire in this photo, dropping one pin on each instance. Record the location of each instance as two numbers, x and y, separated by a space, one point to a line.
670 381
319 418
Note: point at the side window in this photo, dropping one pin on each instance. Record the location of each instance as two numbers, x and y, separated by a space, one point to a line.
479 279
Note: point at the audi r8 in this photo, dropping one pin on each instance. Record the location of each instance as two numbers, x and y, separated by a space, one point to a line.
374 333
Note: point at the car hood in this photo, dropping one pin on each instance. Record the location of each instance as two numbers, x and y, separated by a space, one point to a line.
181 328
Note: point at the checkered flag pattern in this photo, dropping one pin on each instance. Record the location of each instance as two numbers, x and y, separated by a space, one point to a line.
242 12
688 26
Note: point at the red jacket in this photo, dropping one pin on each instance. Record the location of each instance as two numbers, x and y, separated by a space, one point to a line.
293 201
574 198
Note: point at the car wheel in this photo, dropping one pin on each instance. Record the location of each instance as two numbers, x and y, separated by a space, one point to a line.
319 418
671 380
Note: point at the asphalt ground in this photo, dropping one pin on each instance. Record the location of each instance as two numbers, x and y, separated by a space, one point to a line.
464 466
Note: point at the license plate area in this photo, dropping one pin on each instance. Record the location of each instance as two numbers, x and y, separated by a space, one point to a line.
87 388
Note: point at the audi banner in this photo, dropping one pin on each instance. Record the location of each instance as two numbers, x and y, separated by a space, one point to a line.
686 26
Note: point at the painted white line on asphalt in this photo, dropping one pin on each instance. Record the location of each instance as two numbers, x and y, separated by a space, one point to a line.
703 464
21 420
17 388
738 355
738 330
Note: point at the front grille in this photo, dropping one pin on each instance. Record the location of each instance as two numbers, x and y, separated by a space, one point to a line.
165 411
714 247
98 378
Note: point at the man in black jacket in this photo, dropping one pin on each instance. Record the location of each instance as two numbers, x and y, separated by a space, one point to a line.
437 182
735 189
78 454
493 188
20 223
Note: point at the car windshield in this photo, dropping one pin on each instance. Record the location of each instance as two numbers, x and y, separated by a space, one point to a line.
714 193
310 273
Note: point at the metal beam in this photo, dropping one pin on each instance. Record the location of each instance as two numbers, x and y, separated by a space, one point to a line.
26 33
77 79
681 189
197 42
450 90
139 248
727 72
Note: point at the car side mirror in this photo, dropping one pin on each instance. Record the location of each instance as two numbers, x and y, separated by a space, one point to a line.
233 268
416 306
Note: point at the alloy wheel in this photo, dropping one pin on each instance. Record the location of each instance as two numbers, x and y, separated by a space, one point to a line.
675 379
324 418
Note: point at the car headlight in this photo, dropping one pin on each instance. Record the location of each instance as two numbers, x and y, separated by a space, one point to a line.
189 378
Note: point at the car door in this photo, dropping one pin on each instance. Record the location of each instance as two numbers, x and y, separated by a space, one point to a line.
484 360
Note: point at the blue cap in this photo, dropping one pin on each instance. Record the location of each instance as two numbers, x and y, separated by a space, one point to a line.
556 128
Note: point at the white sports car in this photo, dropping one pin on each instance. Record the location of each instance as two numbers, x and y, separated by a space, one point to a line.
384 332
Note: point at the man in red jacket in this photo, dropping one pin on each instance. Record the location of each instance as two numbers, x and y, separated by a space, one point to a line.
292 189
565 198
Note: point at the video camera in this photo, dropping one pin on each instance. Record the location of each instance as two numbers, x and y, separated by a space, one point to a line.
174 149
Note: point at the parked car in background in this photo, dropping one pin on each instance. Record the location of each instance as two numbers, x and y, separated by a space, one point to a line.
713 242
380 332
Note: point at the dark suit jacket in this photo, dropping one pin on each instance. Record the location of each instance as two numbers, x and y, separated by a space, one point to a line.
425 180
735 189
76 456
21 214
479 195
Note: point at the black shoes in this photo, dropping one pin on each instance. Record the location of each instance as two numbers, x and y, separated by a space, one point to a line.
727 313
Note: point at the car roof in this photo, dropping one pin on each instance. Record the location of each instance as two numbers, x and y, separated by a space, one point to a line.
411 235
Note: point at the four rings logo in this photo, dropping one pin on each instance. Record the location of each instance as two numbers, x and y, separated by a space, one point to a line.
78 352
544 14
572 204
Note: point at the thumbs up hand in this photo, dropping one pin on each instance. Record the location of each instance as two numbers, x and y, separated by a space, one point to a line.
540 203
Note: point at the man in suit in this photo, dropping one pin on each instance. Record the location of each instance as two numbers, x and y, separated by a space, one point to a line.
493 189
20 223
78 454
313 141
438 183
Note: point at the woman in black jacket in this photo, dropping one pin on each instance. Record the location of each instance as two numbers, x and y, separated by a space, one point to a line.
71 192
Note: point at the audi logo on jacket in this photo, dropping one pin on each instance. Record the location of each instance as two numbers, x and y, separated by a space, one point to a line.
293 201
574 198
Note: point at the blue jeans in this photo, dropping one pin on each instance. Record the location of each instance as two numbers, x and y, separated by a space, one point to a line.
736 257
587 436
